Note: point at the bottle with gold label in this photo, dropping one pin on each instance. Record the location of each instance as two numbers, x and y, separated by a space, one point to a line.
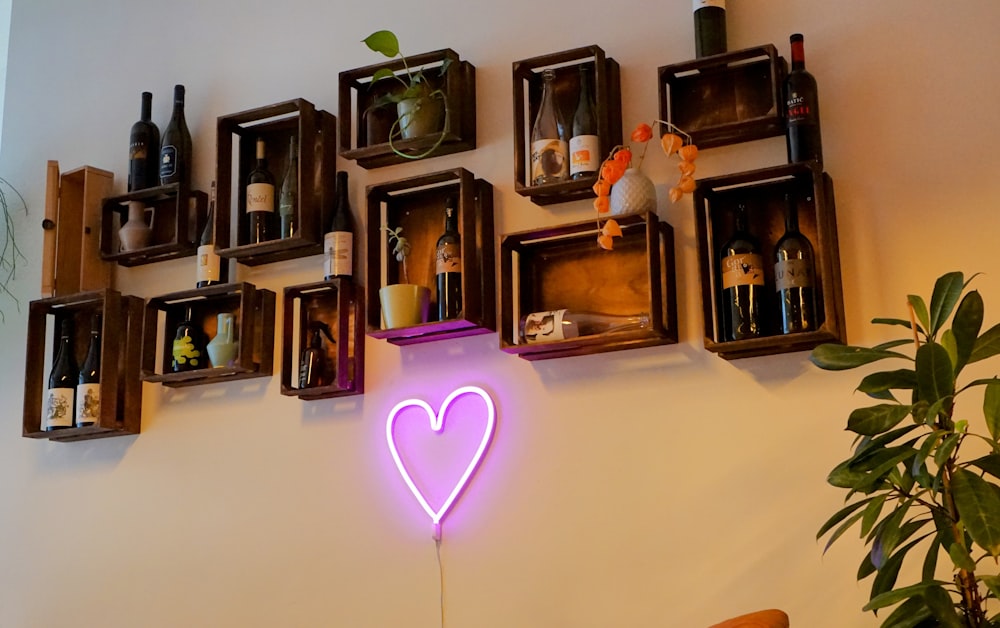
794 275
448 264
260 199
742 270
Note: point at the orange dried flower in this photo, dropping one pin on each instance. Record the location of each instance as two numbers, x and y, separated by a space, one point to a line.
687 168
611 228
642 133
602 204
671 142
606 242
623 156
676 194
602 188
686 184
612 170
688 153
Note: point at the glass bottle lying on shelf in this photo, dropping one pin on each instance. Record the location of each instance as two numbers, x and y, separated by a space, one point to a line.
555 325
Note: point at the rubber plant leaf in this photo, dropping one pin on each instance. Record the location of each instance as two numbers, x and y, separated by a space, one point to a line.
947 290
942 607
979 509
834 357
965 328
987 345
935 374
384 42
876 419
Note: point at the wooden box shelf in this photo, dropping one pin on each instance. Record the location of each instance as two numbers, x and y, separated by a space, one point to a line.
254 310
527 99
763 193
726 98
121 334
417 205
177 217
315 133
338 304
364 137
562 267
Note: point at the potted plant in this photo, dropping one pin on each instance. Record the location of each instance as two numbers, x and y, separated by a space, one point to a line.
9 251
403 304
913 487
421 108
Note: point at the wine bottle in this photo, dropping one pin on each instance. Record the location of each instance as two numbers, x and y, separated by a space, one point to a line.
58 411
448 264
289 195
709 27
549 148
742 282
793 275
188 351
338 243
88 388
260 198
566 324
211 270
144 149
584 143
803 137
313 369
175 152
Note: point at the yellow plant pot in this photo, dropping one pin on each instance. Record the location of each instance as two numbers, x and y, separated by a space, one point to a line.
404 305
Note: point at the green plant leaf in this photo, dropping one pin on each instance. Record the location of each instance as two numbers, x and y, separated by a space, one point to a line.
947 341
925 450
935 373
834 357
902 322
992 583
965 327
910 614
931 558
383 73
843 476
946 448
942 607
991 409
876 419
885 579
892 344
879 384
384 42
919 310
840 515
897 595
872 512
987 345
947 289
989 463
960 557
978 508
844 527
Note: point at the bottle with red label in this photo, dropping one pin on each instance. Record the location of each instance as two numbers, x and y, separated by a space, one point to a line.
803 138
742 271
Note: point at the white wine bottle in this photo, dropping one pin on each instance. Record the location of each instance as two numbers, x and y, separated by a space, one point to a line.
211 270
549 148
175 152
566 324
260 199
338 243
289 195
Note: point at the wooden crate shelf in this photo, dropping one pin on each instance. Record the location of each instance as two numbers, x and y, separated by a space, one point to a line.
121 334
417 204
370 148
178 216
562 267
763 192
527 99
338 304
254 310
315 132
726 98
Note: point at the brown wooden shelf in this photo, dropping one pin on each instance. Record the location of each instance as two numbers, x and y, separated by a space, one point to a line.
315 133
338 304
763 192
417 205
254 310
562 267
725 98
527 99
372 149
178 218
121 334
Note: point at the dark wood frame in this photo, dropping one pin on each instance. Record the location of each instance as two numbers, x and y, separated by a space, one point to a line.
121 337
540 262
179 216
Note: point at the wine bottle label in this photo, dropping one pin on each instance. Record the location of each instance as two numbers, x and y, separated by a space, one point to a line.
744 269
799 110
792 273
548 327
168 161
338 253
548 160
698 4
58 410
88 403
209 263
448 259
260 197
583 154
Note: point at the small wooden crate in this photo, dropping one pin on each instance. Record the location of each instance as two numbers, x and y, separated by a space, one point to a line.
562 267
121 345
338 303
315 131
726 98
417 205
178 216
763 192
357 93
71 259
254 310
527 99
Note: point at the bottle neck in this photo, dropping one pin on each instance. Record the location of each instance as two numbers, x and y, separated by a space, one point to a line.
791 218
798 55
343 201
146 110
585 84
451 219
741 219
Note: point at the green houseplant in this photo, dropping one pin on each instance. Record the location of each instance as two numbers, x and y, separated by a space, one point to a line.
913 486
403 304
419 104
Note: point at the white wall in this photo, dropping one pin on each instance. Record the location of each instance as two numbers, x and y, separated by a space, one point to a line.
657 487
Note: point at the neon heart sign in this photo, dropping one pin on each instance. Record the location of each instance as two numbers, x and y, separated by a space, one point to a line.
437 425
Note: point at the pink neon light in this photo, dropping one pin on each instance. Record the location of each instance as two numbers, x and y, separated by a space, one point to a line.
437 421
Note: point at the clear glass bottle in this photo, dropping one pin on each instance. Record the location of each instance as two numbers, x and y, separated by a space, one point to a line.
549 148
211 270
794 274
584 143
566 324
288 198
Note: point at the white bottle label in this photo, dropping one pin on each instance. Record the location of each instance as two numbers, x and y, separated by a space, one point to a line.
697 4
743 269
260 197
792 273
548 327
209 263
88 403
338 254
58 408
583 154
549 159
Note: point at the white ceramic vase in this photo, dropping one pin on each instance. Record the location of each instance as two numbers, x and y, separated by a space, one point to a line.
633 193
